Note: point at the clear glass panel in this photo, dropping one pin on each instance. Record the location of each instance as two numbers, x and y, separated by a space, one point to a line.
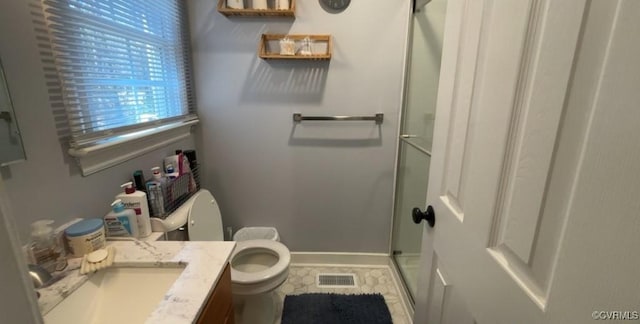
11 149
424 73
411 190
417 130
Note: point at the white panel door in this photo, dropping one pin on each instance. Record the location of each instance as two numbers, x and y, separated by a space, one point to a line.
535 174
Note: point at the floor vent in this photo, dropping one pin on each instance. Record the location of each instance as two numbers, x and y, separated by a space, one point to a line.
336 280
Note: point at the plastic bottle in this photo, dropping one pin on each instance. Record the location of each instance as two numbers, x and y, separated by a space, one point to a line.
43 248
137 201
172 166
181 159
138 181
193 166
156 189
185 168
121 221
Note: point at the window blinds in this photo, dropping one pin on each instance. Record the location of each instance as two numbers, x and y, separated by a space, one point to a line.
123 66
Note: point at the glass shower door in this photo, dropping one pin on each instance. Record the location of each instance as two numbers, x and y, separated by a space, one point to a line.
416 137
411 190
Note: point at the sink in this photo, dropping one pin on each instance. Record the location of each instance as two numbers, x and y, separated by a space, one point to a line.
115 295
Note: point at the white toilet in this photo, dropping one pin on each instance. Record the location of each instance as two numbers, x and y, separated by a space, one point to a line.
258 265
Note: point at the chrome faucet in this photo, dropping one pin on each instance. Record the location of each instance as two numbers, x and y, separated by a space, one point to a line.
39 276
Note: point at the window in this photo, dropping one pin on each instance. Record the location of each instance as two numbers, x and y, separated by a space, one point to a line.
124 73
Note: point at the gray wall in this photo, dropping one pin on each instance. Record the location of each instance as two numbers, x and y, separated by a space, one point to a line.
324 186
49 184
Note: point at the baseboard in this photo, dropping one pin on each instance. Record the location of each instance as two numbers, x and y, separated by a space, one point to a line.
340 259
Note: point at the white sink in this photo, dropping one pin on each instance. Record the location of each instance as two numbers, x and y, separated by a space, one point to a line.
115 295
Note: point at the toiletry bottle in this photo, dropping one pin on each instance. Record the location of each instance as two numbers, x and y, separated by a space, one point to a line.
137 201
43 248
191 157
193 166
121 221
185 168
138 181
171 164
181 165
156 192
171 172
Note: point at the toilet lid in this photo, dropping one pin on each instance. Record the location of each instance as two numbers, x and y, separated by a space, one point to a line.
205 220
277 248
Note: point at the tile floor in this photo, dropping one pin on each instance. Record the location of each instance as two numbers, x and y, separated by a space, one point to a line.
302 279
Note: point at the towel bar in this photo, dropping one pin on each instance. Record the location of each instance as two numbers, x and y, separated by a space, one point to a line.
378 118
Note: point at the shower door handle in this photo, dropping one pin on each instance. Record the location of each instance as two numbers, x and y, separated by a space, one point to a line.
429 215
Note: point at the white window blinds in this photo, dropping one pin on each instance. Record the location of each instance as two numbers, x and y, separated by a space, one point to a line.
123 66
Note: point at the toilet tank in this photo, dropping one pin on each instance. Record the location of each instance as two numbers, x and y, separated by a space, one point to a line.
198 219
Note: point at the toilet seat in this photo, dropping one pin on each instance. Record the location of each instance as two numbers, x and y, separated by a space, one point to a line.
203 219
265 246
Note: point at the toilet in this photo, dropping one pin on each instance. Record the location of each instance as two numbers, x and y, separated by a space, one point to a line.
259 262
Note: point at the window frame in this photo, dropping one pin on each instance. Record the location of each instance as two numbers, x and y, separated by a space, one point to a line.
101 149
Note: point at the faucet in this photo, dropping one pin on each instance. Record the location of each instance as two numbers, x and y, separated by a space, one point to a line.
40 276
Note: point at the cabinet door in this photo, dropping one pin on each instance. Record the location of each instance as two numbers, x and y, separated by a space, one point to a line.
219 306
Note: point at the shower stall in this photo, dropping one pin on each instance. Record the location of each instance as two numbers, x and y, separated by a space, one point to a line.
416 135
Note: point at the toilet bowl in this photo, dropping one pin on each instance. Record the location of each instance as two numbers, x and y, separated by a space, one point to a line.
258 266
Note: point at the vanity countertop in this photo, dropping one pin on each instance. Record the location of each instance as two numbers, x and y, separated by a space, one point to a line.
204 263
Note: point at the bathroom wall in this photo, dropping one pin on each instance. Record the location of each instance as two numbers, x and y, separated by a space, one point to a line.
326 186
48 184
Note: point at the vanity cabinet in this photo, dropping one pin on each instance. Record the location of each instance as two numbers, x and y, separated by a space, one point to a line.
218 308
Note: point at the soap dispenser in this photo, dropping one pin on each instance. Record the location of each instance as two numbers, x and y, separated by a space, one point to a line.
43 248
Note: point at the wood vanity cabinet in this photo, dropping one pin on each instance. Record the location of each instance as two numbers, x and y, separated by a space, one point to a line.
218 308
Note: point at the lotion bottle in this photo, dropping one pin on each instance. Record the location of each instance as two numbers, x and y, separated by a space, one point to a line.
121 221
137 201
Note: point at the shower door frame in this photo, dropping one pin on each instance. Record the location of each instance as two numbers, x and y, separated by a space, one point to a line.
403 143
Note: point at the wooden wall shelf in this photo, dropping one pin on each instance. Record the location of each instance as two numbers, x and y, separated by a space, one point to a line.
269 48
230 12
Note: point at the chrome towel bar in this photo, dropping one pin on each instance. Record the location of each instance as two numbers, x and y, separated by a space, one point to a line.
378 118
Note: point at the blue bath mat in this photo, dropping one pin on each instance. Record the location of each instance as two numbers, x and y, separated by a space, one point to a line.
335 309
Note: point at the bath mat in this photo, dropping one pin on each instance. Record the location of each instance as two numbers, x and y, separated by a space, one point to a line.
320 308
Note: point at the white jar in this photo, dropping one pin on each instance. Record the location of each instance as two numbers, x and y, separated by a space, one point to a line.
282 4
259 4
235 4
85 236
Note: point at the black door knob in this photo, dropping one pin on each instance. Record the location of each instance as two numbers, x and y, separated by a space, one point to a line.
429 215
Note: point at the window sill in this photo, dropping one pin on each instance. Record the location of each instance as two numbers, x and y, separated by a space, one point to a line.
101 156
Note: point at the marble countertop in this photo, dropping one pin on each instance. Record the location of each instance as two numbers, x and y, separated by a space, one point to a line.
204 263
